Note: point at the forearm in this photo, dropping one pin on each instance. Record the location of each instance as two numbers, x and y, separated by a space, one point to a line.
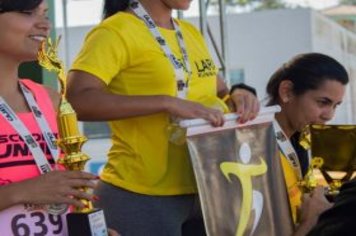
93 104
92 100
303 228
11 195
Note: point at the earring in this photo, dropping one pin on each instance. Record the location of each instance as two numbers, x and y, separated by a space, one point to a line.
285 99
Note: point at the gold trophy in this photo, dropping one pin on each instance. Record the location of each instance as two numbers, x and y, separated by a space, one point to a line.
87 221
333 152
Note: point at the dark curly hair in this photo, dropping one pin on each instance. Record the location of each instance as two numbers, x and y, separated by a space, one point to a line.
18 5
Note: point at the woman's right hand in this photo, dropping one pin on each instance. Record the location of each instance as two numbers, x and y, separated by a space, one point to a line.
191 110
56 187
313 205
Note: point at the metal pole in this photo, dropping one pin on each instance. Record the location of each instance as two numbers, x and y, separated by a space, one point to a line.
65 39
216 48
224 41
180 14
203 18
206 32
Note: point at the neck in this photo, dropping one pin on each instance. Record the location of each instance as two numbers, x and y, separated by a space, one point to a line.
285 124
159 12
8 77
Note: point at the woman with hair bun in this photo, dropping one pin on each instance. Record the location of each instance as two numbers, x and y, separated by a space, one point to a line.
308 88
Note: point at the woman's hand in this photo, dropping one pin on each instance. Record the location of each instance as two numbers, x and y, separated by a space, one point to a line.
245 104
190 110
56 187
242 100
313 205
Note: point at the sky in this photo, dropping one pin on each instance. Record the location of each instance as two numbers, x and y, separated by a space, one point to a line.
90 10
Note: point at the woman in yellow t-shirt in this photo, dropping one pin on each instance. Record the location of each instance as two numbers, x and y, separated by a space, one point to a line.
141 69
308 88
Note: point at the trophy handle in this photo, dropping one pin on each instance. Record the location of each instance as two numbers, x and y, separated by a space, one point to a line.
348 175
326 176
329 180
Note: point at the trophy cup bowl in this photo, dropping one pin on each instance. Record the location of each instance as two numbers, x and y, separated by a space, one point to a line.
335 145
87 221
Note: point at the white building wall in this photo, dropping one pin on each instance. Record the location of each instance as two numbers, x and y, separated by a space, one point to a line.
76 36
260 41
330 38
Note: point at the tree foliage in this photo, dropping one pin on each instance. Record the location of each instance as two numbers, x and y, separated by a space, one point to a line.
348 2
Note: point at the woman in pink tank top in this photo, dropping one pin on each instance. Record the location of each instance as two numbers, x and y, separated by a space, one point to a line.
24 106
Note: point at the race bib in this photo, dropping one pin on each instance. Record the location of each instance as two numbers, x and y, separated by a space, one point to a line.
31 220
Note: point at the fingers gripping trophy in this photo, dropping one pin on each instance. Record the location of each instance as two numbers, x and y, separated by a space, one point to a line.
87 221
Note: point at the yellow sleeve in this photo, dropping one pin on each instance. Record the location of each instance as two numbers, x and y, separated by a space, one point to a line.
197 35
103 54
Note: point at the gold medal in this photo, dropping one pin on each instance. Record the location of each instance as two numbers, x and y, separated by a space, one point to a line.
176 134
56 209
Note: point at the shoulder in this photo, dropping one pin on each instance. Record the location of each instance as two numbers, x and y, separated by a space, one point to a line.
122 22
40 89
191 32
186 25
121 27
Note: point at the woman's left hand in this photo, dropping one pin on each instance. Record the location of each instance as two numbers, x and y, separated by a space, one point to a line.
245 104
313 205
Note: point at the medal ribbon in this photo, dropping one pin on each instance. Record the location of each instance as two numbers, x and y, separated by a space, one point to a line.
182 85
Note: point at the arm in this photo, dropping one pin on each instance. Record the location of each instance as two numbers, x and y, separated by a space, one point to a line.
242 101
313 205
53 187
92 101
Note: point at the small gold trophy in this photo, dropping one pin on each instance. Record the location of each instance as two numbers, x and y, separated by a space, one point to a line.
87 221
334 147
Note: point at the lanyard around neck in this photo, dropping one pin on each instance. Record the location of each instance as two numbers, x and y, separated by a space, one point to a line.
182 85
37 153
287 149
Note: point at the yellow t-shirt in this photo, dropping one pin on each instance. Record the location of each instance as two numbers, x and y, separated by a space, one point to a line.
294 191
123 54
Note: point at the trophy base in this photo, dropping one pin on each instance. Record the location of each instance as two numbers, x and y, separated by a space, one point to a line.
87 223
